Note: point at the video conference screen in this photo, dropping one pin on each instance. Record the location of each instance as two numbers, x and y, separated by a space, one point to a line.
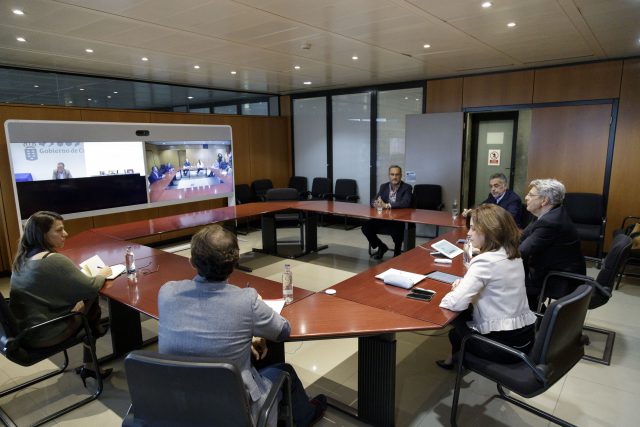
83 176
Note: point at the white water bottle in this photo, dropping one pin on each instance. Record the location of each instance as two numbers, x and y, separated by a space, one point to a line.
287 284
130 261
467 252
454 208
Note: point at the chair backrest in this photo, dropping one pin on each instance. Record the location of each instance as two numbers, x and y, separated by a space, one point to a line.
299 183
243 194
168 391
585 208
559 342
320 186
345 188
260 187
274 194
427 196
613 263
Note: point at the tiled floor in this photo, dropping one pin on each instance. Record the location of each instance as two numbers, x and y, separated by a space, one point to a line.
590 395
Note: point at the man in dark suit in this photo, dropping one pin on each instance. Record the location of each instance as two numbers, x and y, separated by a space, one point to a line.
500 194
392 195
550 242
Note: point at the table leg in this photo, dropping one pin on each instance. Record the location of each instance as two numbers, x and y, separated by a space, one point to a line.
311 234
269 243
377 379
409 236
126 332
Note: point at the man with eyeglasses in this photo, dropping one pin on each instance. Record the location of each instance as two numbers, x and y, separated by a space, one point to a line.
550 242
500 194
392 195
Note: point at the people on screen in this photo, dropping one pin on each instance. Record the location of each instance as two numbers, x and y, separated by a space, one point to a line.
495 284
208 316
46 285
186 166
500 194
199 167
60 172
392 195
549 243
155 175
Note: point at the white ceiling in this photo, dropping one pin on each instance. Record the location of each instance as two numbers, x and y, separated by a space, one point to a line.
262 40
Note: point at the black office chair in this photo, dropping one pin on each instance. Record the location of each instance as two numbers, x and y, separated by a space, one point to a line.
260 187
12 346
346 190
176 391
287 219
300 184
320 189
631 227
587 213
427 196
603 287
558 346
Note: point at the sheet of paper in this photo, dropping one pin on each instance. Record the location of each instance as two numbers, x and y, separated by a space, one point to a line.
275 304
116 270
92 266
415 278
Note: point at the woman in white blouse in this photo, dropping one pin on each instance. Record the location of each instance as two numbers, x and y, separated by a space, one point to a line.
494 283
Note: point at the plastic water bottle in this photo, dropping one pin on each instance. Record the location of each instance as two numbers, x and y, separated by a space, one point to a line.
287 284
130 261
454 208
467 252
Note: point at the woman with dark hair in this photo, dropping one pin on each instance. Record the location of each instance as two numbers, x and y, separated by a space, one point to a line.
46 285
494 283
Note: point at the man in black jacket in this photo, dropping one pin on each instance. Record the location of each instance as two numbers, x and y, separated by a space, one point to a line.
393 194
550 242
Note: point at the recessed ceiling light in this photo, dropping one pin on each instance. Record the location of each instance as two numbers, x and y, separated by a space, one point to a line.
426 46
17 12
108 96
406 97
81 88
36 85
89 99
189 97
417 99
355 58
296 67
21 39
511 24
487 4
89 50
115 91
306 83
234 72
144 58
69 102
197 67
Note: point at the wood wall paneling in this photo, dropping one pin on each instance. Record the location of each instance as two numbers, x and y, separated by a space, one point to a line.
93 115
444 96
600 80
498 89
268 140
570 144
624 192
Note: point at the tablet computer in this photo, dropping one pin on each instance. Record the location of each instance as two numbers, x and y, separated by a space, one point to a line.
447 248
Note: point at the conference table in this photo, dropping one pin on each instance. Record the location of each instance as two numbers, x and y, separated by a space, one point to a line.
362 307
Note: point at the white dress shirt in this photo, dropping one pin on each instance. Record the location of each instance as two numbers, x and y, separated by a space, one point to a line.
495 285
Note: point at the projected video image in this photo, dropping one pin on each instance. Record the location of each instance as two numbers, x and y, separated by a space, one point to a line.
179 170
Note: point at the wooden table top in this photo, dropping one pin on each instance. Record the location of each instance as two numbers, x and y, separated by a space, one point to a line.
366 289
140 291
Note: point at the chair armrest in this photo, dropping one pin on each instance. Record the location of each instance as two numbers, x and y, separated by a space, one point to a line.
305 194
586 279
501 348
353 197
440 206
329 196
624 221
48 323
282 383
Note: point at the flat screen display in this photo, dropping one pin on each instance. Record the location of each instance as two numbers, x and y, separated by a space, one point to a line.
81 168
